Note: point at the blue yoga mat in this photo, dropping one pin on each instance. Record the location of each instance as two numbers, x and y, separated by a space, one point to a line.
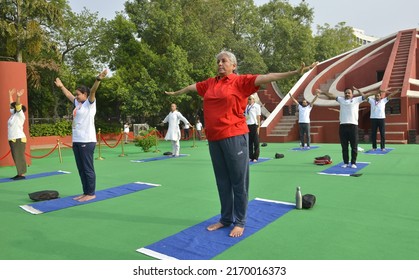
338 170
299 149
379 152
197 243
65 202
260 160
158 158
34 176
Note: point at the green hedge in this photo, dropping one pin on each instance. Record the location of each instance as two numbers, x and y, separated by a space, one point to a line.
60 128
108 127
63 128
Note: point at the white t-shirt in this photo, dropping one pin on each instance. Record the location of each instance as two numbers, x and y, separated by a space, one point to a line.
198 126
84 130
378 108
251 113
126 128
349 109
15 126
304 113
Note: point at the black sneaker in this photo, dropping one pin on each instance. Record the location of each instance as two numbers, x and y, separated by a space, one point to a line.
18 177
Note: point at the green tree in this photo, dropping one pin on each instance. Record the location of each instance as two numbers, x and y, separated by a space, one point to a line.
25 33
332 41
23 25
286 37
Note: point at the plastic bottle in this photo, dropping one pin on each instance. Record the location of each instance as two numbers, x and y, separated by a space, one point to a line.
298 199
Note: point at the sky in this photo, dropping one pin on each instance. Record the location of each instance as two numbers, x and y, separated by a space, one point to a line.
377 18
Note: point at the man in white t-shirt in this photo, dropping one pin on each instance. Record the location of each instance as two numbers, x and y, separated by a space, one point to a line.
304 110
348 128
378 116
252 114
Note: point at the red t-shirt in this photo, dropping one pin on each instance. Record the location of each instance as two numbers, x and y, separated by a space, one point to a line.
225 100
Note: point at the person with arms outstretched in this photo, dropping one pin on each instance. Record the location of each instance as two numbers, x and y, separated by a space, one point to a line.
378 116
225 98
348 128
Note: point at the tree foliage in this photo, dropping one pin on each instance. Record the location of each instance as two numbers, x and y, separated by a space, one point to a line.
156 45
24 25
333 41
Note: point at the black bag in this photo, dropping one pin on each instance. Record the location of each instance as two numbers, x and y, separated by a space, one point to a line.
277 155
308 201
326 159
167 153
43 195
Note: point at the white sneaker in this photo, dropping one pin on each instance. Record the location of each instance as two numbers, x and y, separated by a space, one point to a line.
353 165
344 166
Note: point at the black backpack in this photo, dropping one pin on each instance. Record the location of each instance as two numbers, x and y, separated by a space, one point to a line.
43 195
308 201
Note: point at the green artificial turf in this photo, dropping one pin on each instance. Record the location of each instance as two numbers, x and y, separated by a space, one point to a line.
374 216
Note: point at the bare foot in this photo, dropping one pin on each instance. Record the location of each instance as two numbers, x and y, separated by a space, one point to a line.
79 197
87 198
215 226
236 231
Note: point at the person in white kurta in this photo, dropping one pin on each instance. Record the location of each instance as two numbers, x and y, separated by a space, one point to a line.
173 132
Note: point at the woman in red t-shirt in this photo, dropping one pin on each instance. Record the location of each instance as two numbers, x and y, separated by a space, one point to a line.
225 98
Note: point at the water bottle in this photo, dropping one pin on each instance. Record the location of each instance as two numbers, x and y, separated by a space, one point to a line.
298 199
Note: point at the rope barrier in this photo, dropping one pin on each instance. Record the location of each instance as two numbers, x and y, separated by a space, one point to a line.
59 143
154 132
106 143
44 156
68 146
3 157
160 135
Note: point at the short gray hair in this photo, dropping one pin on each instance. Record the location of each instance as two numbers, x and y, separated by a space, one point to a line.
230 56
